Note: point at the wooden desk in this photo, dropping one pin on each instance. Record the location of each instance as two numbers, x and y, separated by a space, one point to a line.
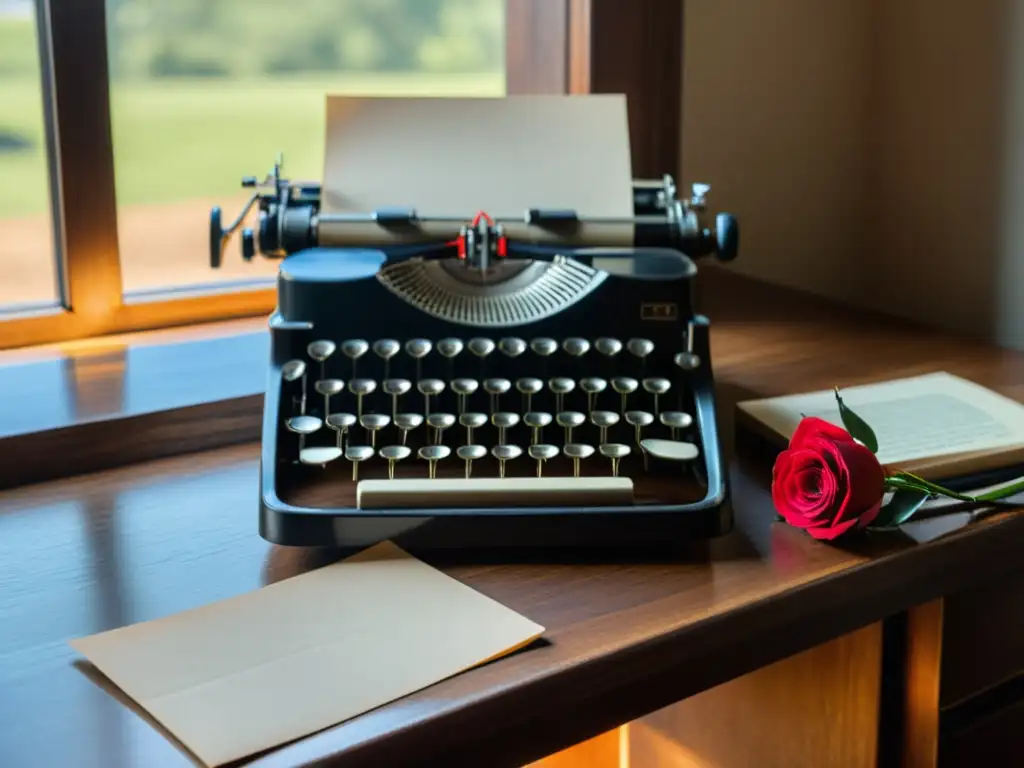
763 645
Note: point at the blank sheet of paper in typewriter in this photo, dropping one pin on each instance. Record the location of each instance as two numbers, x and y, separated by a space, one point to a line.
247 674
457 156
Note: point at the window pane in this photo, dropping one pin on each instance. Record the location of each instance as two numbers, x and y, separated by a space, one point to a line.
204 93
27 260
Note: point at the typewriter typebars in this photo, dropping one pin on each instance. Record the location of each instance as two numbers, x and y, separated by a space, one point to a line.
453 384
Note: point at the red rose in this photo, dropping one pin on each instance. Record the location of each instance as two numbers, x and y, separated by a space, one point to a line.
825 482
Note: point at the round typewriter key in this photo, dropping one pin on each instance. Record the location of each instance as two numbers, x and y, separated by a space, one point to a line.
433 454
320 455
561 386
340 423
292 371
536 421
544 347
328 387
469 454
302 426
393 454
472 421
640 347
670 450
373 423
429 388
361 388
540 454
593 386
356 454
321 350
569 420
577 452
496 388
418 348
385 349
625 386
603 420
688 361
480 347
504 421
676 420
396 388
450 347
575 346
505 453
353 349
607 346
529 387
464 388
407 422
657 387
616 452
512 347
639 420
440 422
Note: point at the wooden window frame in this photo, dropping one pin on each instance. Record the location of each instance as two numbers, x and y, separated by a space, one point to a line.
552 46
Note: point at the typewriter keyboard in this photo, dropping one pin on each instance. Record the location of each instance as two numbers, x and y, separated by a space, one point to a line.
480 407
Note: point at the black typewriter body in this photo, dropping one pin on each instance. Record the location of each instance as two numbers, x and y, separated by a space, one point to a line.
599 353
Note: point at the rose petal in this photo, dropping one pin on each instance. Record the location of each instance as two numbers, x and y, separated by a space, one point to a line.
829 532
866 483
811 427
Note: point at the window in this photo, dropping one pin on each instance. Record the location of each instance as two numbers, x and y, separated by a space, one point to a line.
203 93
28 261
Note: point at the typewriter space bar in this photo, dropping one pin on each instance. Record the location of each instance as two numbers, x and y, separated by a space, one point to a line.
422 493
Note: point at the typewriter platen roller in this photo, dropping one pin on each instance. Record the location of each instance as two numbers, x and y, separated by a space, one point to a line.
471 378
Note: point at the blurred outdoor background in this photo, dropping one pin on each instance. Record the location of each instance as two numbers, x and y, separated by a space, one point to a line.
204 92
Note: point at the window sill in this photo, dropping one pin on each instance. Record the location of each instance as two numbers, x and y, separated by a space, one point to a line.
92 405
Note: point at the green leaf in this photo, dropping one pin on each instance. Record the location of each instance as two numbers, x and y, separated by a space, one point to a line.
856 426
901 507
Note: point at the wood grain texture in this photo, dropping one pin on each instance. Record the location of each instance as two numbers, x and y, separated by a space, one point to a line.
819 707
923 682
625 638
535 46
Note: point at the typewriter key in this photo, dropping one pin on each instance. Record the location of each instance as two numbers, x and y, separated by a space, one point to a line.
505 453
496 388
340 423
616 452
396 388
676 420
607 346
688 361
320 351
394 454
302 426
469 454
529 387
450 347
429 388
464 388
356 454
319 455
603 420
433 454
540 454
373 423
577 452
625 386
417 349
575 346
569 420
353 349
440 422
504 421
385 349
640 347
536 421
561 386
480 347
407 422
544 347
328 387
294 370
657 387
638 420
670 450
512 347
361 388
593 387
472 421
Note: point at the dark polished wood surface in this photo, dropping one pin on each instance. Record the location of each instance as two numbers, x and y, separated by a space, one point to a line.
623 639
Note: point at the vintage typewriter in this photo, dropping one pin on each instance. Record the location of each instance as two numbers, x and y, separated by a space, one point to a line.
470 384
